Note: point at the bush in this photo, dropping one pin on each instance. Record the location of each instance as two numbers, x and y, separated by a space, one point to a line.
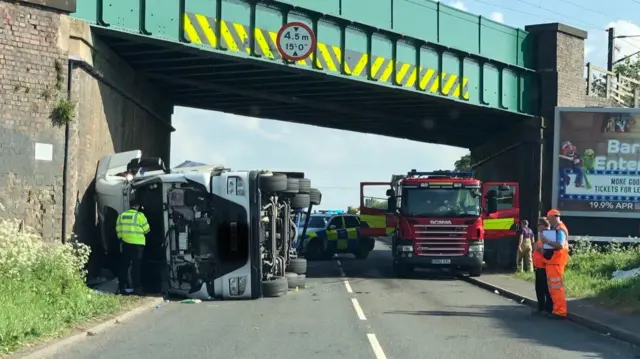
42 287
589 273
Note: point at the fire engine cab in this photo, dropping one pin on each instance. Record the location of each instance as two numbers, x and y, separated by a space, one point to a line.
443 219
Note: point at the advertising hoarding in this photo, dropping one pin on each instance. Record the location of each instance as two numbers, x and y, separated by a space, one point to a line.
596 169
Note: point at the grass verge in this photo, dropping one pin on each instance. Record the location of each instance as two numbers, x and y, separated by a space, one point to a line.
42 292
589 274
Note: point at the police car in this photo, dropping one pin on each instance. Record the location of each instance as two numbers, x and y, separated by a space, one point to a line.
334 231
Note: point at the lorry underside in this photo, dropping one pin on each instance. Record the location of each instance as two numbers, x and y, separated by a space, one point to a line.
214 233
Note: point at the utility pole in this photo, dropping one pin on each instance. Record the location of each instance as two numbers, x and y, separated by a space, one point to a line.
611 48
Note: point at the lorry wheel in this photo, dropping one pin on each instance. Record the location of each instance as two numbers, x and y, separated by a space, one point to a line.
297 265
304 185
292 186
301 200
276 287
296 281
276 182
315 197
475 272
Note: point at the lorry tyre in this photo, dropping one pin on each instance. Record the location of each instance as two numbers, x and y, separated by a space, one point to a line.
475 271
300 201
276 182
304 185
292 186
276 287
292 280
315 197
297 265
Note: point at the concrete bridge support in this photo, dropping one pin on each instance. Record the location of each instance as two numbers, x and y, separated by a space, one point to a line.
47 167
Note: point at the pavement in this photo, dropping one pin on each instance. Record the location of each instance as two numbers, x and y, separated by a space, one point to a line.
352 309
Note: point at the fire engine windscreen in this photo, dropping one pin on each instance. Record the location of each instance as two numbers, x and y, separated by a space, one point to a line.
432 202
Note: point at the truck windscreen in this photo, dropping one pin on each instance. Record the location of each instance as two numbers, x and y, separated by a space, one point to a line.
431 202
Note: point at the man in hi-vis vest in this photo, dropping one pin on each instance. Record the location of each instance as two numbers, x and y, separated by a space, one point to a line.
556 256
131 228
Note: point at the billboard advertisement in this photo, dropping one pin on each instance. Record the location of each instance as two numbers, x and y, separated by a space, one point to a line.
597 162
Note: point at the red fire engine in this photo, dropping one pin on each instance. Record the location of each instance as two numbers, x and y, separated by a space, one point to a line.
444 219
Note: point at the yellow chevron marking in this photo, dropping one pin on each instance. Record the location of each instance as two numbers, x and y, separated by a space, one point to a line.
191 31
436 82
324 52
244 37
376 65
228 38
382 68
387 71
264 45
425 79
402 72
338 52
449 84
361 65
206 28
412 77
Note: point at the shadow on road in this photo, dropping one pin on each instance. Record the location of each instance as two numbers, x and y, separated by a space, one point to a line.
539 330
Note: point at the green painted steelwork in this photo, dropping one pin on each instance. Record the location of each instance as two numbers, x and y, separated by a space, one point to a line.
491 58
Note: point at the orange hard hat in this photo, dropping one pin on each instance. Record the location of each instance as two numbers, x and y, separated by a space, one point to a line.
553 213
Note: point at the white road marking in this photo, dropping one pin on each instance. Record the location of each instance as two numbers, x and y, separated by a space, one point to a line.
348 286
339 263
358 309
342 273
375 345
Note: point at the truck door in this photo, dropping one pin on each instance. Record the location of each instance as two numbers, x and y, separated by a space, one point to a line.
373 209
505 221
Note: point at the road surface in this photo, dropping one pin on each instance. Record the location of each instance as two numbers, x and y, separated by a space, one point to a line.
352 309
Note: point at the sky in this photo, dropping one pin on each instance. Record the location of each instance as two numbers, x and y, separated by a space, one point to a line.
343 159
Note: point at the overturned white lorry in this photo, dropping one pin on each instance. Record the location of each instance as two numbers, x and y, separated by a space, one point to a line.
215 232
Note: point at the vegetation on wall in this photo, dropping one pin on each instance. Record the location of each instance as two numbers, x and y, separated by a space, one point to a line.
63 111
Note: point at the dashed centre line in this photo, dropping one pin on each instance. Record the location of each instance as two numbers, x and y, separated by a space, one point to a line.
358 309
373 340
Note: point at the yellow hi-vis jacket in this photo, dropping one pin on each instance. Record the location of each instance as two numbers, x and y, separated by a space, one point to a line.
131 227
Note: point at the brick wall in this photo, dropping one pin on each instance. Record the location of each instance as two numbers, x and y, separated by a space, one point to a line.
119 112
30 45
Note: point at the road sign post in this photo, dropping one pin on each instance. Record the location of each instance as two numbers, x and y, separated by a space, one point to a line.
295 41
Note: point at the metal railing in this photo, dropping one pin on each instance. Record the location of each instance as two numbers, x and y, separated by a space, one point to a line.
623 90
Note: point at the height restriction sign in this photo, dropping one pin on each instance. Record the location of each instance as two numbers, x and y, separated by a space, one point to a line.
295 41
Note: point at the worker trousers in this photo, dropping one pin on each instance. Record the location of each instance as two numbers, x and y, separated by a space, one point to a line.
131 264
555 282
545 303
523 258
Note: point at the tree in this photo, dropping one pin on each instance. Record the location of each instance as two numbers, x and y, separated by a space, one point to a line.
624 87
353 210
463 164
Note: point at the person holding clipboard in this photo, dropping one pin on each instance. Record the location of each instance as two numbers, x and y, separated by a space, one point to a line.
555 247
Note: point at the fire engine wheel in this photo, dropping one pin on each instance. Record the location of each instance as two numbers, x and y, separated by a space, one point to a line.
315 196
402 271
276 287
300 201
475 272
297 265
304 185
273 183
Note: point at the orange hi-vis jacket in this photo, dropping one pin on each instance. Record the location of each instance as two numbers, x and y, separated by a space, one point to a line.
537 257
560 256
